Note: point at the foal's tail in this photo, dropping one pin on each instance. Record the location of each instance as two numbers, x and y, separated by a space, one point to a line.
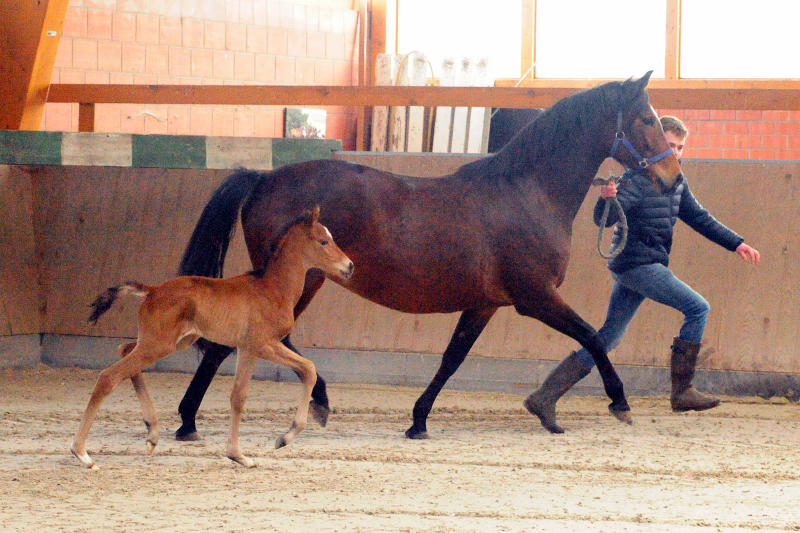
205 254
106 299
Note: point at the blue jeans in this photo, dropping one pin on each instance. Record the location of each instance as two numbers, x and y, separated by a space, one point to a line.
658 283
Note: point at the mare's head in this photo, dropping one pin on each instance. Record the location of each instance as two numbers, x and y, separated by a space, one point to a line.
319 247
639 141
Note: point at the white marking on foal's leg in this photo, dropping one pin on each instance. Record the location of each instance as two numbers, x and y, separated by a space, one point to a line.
83 457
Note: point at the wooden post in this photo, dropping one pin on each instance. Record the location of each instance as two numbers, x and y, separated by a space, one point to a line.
86 117
672 61
528 38
31 34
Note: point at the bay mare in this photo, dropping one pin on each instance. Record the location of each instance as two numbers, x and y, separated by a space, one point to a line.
494 233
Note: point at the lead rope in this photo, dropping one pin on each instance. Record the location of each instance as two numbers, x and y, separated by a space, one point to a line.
622 223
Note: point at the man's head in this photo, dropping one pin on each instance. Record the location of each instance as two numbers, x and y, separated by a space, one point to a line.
675 132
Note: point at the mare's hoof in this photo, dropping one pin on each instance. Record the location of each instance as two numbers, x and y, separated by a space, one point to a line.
622 416
187 433
319 412
414 434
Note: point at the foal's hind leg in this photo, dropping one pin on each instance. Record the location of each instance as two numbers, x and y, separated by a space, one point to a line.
469 327
128 367
148 411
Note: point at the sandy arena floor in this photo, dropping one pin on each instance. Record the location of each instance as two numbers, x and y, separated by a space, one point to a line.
487 467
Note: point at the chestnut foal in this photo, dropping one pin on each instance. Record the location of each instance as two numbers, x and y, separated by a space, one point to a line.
252 312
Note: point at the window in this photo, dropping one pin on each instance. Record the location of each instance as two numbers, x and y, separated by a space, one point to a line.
592 39
739 39
471 28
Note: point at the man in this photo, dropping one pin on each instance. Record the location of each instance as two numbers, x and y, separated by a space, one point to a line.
641 271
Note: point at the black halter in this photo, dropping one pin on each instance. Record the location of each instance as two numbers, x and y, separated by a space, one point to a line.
621 139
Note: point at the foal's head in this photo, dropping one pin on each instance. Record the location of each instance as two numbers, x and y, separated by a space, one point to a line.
317 246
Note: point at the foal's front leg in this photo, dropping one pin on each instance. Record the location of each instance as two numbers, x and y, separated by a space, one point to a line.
308 374
245 364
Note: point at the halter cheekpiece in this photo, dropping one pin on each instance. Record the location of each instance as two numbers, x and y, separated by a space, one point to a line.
619 138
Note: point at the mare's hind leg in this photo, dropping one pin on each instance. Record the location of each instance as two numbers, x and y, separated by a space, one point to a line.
148 411
128 367
213 356
553 311
469 327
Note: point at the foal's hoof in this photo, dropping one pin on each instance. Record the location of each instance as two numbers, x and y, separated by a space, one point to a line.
622 416
415 434
150 447
319 412
187 433
281 442
242 460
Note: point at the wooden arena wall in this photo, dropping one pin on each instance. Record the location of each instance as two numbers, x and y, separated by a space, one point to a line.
71 228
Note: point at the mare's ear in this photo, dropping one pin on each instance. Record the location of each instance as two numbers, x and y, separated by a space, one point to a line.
632 89
313 216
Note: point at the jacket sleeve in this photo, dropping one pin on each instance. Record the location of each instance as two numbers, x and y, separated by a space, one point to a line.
699 219
628 196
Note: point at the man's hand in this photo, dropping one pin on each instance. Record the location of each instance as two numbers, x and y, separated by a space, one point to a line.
609 190
748 253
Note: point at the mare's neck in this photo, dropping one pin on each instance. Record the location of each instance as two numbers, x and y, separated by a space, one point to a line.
560 168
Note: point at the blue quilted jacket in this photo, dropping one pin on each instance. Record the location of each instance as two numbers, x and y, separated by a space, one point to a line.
651 216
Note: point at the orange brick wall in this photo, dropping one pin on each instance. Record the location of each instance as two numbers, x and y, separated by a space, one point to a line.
765 135
205 42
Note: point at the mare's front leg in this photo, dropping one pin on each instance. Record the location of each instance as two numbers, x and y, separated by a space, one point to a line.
128 367
468 329
148 411
550 309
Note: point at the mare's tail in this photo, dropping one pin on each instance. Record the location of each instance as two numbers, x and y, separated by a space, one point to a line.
205 254
106 299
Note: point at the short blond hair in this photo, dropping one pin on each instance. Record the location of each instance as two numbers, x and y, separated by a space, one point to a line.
675 126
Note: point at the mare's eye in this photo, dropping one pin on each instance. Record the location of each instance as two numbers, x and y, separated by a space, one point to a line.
323 242
649 120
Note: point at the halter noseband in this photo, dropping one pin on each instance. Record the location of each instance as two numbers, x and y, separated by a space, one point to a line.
619 137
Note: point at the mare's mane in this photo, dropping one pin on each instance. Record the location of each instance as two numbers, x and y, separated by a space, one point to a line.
277 244
548 134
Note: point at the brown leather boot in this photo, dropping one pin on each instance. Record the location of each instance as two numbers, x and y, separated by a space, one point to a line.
542 403
684 397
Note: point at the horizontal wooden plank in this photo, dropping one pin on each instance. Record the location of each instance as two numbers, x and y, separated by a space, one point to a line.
675 94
